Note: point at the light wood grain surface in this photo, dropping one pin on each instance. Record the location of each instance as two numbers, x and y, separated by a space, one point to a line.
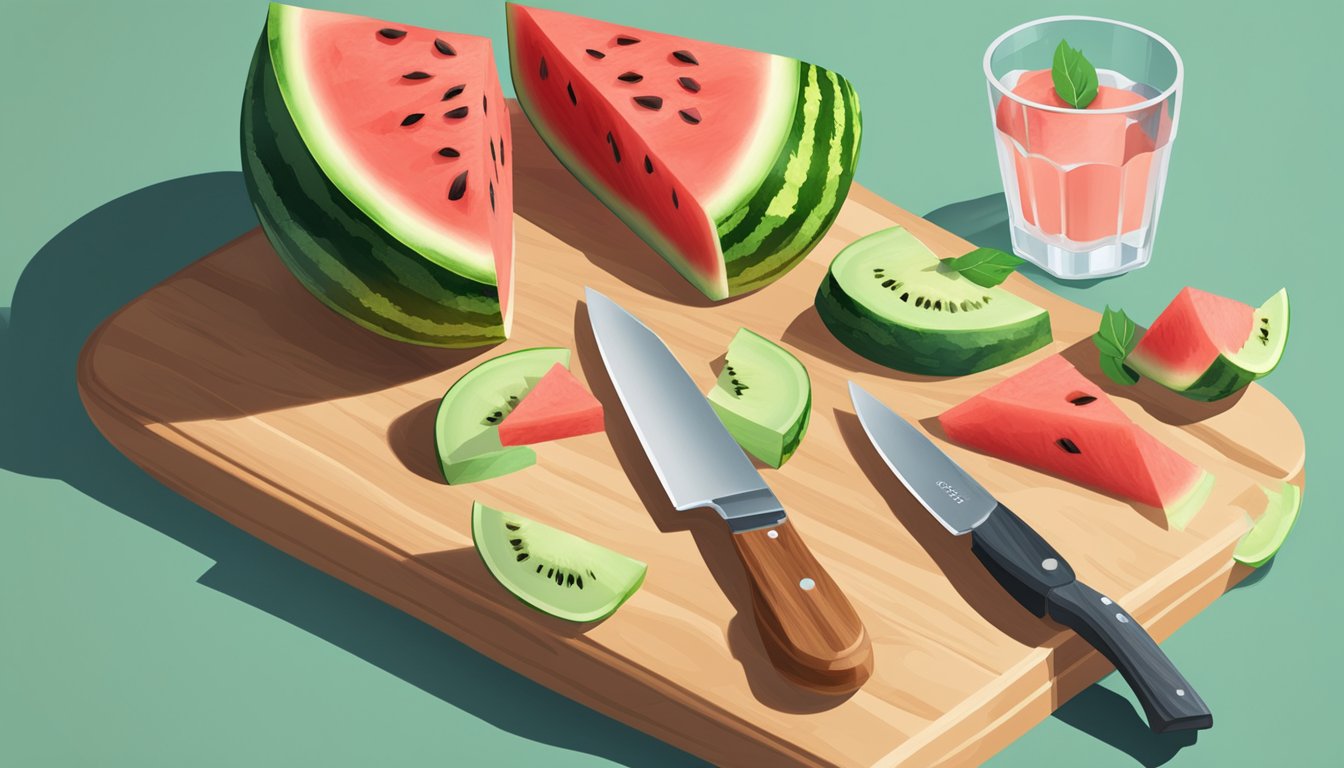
239 390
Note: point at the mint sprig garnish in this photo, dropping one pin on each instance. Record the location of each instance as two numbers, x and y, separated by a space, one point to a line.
1075 77
985 267
1115 339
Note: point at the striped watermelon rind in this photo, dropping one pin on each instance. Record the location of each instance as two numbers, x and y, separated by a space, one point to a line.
803 186
351 262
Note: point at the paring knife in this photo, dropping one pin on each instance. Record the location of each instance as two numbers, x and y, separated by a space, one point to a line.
810 630
1029 568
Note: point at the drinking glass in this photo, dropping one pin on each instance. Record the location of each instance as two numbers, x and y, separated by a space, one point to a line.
1084 186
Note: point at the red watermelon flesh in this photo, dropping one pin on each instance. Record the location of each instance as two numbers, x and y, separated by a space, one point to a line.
557 407
1053 419
1192 332
418 117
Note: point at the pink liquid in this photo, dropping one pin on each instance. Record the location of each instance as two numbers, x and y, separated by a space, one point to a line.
1083 176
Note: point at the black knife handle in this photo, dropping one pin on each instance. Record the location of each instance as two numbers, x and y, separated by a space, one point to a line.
1168 700
1039 578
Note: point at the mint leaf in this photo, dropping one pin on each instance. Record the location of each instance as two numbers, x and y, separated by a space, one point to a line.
1075 77
1116 370
1115 340
985 267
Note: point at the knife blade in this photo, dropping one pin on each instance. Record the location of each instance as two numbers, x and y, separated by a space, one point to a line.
1036 575
809 628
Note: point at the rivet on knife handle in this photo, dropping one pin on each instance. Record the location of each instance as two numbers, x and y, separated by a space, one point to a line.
809 628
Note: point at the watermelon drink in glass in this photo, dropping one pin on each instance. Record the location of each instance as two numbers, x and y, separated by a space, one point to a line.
1083 136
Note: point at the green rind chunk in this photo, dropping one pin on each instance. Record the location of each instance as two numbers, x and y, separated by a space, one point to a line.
764 397
553 571
466 442
804 189
876 323
1231 373
1264 540
336 251
1181 512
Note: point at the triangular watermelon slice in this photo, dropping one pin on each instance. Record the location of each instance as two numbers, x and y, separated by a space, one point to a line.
731 164
557 407
1052 418
377 157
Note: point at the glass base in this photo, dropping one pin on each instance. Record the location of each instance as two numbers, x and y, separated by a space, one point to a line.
1069 260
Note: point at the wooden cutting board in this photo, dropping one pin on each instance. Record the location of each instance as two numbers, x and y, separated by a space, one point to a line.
236 388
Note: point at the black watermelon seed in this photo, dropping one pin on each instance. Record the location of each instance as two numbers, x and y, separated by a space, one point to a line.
648 164
1083 400
545 73
459 187
905 297
444 48
691 115
596 54
449 152
1068 445
417 75
412 119
492 195
485 106
626 40
579 582
685 57
392 34
649 102
522 556
675 203
887 283
630 77
501 151
492 152
454 92
615 151
456 114
689 83
572 98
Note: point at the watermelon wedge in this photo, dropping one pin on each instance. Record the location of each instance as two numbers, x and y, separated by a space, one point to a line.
376 155
731 164
1207 347
557 407
1053 419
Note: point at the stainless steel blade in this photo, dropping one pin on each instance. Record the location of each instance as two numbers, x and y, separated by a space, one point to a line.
943 487
697 461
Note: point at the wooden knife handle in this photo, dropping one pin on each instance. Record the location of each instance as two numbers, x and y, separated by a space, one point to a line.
810 630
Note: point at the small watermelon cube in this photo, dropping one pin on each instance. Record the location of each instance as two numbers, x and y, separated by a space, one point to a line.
557 407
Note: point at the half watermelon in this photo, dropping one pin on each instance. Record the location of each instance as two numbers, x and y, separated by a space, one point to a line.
376 157
731 164
1052 418
1207 347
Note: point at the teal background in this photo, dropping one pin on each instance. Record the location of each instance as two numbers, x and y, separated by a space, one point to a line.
136 629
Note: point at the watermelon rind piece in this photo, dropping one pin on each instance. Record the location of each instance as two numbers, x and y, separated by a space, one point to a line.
1231 371
763 396
1264 540
551 570
865 305
365 257
466 429
1180 512
783 193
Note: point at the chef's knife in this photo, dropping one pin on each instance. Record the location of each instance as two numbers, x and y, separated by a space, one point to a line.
808 626
1029 568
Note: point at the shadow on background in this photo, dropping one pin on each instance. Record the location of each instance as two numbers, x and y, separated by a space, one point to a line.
104 260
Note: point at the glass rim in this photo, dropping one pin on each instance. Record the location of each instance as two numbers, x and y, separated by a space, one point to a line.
1145 104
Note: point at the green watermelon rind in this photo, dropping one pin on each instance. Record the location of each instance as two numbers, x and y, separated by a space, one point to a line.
813 201
342 256
946 353
1225 376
